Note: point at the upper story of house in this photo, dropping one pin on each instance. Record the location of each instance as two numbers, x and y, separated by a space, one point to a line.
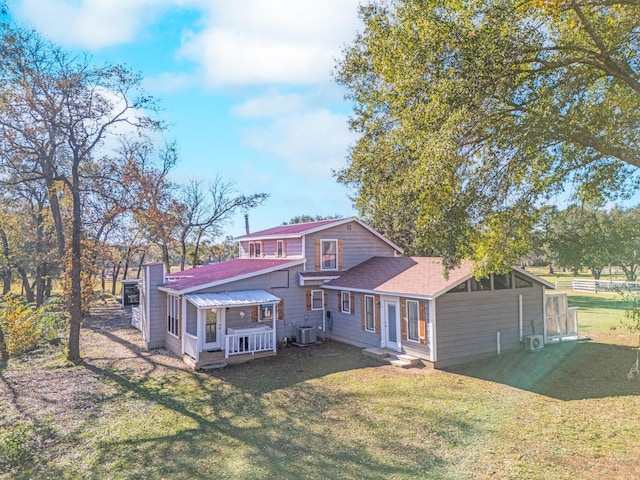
327 246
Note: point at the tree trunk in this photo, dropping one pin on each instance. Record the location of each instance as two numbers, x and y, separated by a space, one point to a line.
75 302
197 247
48 286
165 256
41 273
4 352
125 269
6 270
28 291
183 254
114 278
54 207
140 265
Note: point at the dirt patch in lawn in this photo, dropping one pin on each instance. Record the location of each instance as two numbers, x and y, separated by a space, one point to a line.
37 387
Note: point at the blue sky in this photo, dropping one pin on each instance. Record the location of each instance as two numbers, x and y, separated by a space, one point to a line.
246 86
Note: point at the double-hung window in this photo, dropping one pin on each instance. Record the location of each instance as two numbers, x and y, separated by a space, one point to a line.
412 320
346 302
317 299
173 308
369 313
329 254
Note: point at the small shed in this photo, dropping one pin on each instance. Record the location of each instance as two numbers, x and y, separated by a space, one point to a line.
130 292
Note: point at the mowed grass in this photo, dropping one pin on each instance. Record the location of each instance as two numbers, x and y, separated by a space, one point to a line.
567 412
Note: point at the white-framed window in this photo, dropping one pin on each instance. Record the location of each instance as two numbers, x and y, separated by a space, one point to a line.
173 311
413 318
317 299
329 254
255 249
280 248
266 312
369 313
346 302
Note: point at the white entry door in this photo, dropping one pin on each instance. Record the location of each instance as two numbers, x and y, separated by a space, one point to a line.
212 328
390 313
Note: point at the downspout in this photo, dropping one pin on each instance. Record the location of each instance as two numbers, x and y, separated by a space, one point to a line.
274 335
183 321
520 318
432 331
498 343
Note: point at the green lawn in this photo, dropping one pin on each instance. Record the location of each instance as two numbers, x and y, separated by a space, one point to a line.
568 411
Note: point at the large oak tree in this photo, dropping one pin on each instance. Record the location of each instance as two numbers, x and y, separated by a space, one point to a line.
471 114
56 113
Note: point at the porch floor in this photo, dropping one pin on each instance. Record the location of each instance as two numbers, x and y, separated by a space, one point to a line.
215 359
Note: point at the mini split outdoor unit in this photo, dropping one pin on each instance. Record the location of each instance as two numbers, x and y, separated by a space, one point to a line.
533 343
306 335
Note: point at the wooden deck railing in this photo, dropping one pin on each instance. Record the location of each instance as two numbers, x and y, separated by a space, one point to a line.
249 343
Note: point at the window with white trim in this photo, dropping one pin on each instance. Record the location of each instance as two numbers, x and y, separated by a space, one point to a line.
255 249
329 252
369 313
413 317
346 302
173 310
317 297
266 313
280 248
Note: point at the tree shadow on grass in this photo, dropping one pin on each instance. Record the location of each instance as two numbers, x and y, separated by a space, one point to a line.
242 430
294 365
565 371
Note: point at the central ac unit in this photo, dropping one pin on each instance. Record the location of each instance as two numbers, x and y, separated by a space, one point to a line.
533 343
306 335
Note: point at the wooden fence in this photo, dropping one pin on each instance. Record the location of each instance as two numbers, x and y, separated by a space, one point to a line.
595 286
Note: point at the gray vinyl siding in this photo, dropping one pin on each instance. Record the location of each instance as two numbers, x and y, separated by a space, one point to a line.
358 245
295 313
155 312
348 328
467 323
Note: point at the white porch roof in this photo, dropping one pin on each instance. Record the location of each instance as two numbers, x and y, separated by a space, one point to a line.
238 298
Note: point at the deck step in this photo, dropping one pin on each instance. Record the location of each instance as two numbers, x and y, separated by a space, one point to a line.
376 353
402 364
213 366
413 361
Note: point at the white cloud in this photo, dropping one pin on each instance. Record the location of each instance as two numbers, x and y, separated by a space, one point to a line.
253 42
271 104
309 143
90 24
241 42
169 82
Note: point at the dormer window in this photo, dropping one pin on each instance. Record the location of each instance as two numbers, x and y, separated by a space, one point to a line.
329 254
280 248
255 249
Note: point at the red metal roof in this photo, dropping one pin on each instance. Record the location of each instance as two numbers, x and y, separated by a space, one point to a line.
294 229
420 276
223 272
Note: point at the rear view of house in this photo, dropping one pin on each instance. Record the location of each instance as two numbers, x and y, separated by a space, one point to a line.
335 279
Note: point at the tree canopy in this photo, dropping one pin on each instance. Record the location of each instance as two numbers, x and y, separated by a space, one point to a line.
471 114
